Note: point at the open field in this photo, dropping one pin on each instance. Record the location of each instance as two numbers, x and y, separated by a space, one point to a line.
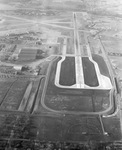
4 89
14 96
67 75
88 68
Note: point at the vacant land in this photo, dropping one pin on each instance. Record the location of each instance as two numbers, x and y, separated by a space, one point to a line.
4 88
14 95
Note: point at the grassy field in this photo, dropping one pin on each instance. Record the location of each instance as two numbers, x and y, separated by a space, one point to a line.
90 76
67 75
14 95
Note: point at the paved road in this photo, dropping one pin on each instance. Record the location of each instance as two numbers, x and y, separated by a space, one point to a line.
78 60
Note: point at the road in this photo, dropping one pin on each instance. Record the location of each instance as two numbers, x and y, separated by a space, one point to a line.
78 60
79 70
80 80
78 64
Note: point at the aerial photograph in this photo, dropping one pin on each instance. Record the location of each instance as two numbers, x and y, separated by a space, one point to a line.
60 74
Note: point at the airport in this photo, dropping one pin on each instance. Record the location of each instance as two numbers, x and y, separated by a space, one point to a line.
60 71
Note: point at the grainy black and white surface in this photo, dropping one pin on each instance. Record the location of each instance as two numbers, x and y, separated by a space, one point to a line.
60 74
